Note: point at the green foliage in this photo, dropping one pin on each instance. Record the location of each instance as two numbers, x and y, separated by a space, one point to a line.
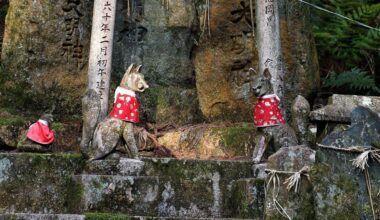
355 81
344 40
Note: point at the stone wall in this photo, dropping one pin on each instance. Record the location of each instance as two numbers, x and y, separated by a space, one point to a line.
45 54
197 65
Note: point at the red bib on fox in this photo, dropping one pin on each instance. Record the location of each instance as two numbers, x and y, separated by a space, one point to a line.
126 107
267 111
40 132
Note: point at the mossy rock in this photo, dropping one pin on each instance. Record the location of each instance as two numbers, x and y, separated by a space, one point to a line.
340 189
212 141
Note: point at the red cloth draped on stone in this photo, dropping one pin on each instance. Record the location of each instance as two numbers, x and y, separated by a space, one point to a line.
126 106
40 132
267 111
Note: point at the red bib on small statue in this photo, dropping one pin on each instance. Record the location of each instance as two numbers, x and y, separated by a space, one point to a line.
267 111
126 107
40 132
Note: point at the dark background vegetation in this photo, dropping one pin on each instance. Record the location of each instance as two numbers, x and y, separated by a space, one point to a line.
349 54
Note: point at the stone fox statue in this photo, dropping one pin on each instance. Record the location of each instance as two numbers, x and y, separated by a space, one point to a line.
269 118
117 128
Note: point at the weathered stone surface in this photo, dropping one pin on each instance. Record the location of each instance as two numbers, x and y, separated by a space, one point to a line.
299 51
123 167
197 185
340 107
211 141
340 190
170 105
291 159
8 136
125 194
364 131
161 39
10 129
222 60
24 216
300 121
189 188
45 51
36 183
297 205
248 198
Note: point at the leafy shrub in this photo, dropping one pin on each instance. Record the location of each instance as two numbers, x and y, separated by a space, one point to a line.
354 81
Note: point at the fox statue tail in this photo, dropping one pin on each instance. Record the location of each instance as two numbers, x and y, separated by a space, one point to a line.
91 113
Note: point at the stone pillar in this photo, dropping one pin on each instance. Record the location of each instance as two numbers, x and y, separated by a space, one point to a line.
269 44
100 60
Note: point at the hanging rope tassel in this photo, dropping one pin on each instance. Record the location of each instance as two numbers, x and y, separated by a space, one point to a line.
293 181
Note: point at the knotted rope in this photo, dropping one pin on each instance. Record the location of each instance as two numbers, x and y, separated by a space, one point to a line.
293 181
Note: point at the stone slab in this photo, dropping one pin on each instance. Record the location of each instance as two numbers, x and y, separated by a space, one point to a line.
341 106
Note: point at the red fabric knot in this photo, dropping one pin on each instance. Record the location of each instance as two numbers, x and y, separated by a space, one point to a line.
126 106
267 111
40 132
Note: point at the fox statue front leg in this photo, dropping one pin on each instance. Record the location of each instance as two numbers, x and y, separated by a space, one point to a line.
130 142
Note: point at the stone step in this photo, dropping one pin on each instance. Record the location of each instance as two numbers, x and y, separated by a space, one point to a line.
90 216
121 194
31 216
170 167
187 188
61 183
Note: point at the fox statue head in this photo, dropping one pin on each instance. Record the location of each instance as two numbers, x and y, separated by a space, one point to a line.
261 84
133 79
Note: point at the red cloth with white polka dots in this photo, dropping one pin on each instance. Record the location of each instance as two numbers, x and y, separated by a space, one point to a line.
126 106
267 111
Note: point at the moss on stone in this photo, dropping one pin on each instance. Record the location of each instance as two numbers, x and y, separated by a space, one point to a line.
106 216
39 182
57 126
13 121
247 198
237 140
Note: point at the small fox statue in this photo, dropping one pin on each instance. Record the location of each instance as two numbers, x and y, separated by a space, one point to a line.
269 118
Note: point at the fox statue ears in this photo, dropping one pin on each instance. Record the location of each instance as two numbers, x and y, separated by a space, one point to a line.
267 74
133 68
